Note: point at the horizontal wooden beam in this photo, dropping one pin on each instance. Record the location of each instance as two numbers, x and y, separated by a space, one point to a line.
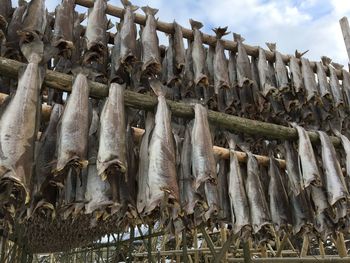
235 124
188 33
313 259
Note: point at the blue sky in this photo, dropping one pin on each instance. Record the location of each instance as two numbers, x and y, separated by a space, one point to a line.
292 24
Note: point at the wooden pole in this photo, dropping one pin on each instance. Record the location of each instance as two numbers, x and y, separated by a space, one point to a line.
305 245
188 33
321 246
60 81
294 260
345 29
341 247
281 245
246 253
195 245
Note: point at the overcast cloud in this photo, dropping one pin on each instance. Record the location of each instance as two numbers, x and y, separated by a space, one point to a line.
292 24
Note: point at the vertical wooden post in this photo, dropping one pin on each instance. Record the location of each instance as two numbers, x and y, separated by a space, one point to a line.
305 245
342 251
177 247
321 246
223 235
263 251
195 245
184 246
246 252
344 24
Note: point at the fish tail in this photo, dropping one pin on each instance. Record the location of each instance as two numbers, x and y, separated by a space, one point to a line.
127 3
195 24
21 2
157 87
220 32
231 139
149 10
299 55
238 38
33 51
271 46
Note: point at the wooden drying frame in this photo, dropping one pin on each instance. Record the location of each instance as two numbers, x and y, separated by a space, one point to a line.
235 124
168 28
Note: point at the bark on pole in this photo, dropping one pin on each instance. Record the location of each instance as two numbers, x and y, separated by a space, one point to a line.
345 29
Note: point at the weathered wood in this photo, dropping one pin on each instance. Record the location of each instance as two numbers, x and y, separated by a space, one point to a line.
208 240
321 246
246 253
305 246
222 255
188 33
295 260
281 245
345 29
195 245
340 244
231 123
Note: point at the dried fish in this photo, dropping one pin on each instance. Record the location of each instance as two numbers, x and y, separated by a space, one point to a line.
292 168
203 161
63 28
150 50
34 22
95 34
162 178
309 81
346 146
334 180
278 198
179 49
280 68
128 36
296 76
171 77
5 13
198 54
73 135
336 88
111 156
259 211
300 209
239 206
19 124
307 162
267 86
244 75
221 79
323 85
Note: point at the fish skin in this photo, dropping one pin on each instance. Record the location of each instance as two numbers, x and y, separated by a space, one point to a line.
203 161
46 155
63 28
73 135
224 203
5 13
143 171
188 77
171 77
318 198
261 103
179 49
259 211
291 157
128 36
338 99
346 87
239 205
334 180
198 54
150 43
296 76
243 64
19 124
278 198
308 168
162 178
309 80
212 199
95 34
346 146
98 192
34 21
323 85
267 86
323 225
221 78
210 64
112 157
300 210
118 73
281 73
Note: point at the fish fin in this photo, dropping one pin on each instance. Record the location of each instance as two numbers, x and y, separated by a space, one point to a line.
220 32
299 55
195 24
149 10
110 24
238 38
326 60
33 51
271 46
127 3
22 2
157 87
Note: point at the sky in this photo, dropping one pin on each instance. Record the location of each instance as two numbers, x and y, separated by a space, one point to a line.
293 24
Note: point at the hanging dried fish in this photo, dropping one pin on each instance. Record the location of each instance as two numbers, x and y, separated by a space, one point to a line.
323 225
278 198
95 34
221 79
150 50
161 179
98 192
170 75
224 214
179 49
19 124
128 36
198 54
203 161
143 171
267 86
243 64
280 68
311 91
346 146
261 103
188 77
73 135
111 158
301 212
307 162
239 206
259 211
335 88
63 28
34 22
5 13
323 85
292 168
295 72
334 180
